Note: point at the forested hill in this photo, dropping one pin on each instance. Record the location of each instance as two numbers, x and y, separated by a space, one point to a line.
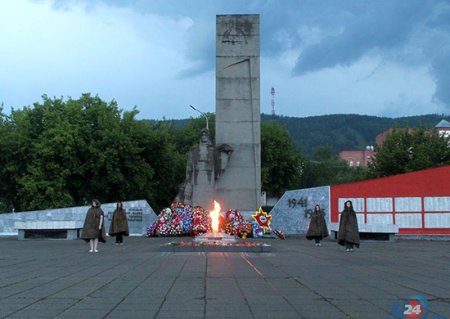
345 131
340 131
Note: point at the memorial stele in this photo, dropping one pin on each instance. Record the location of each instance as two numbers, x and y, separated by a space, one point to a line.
230 171
238 117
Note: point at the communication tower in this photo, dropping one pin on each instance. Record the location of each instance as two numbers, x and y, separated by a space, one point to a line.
272 91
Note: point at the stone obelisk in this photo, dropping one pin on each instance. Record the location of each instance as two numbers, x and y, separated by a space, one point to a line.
238 117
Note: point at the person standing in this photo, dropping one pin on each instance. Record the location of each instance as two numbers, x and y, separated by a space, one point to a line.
94 226
317 227
348 228
119 224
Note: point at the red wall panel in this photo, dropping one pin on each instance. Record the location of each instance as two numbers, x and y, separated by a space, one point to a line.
425 183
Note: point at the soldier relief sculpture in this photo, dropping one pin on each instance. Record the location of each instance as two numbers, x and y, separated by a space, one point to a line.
204 166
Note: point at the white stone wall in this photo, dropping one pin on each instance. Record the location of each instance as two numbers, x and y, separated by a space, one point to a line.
408 211
139 214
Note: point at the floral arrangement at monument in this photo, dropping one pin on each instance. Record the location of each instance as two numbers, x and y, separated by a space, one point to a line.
183 220
180 219
187 220
186 215
164 222
236 225
257 230
176 227
202 222
263 220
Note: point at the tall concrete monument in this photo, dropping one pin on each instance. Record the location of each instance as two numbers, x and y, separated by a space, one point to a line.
230 171
238 118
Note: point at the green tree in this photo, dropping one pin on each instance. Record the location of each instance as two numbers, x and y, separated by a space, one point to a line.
17 132
327 168
168 163
62 153
282 164
52 154
6 170
188 135
408 150
344 131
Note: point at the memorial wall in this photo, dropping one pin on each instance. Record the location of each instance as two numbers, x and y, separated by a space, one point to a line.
292 213
139 214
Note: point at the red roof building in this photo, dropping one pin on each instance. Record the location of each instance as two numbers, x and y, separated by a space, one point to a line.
357 158
443 128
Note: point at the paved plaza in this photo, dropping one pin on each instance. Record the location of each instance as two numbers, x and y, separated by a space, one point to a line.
61 279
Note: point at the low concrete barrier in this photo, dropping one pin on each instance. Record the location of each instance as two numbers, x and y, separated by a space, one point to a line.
370 231
48 229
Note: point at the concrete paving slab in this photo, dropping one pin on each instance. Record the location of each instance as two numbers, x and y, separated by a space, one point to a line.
60 279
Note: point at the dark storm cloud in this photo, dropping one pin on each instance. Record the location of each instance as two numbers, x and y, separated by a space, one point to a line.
393 30
439 52
441 74
350 30
382 26
324 34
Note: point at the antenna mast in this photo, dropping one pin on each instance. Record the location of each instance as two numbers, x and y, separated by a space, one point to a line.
272 91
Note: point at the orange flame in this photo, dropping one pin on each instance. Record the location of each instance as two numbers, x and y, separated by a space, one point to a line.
214 214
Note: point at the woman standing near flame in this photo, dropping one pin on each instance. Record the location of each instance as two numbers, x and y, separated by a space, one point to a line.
348 228
119 224
94 226
318 226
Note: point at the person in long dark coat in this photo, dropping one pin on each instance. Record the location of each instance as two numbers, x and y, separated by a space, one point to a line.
94 226
119 224
348 228
318 226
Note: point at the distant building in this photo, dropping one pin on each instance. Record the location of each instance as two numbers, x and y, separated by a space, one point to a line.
443 128
380 138
358 158
363 157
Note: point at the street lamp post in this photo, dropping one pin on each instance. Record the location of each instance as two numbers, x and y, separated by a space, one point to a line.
204 114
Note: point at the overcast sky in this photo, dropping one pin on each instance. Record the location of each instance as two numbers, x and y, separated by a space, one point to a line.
385 58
